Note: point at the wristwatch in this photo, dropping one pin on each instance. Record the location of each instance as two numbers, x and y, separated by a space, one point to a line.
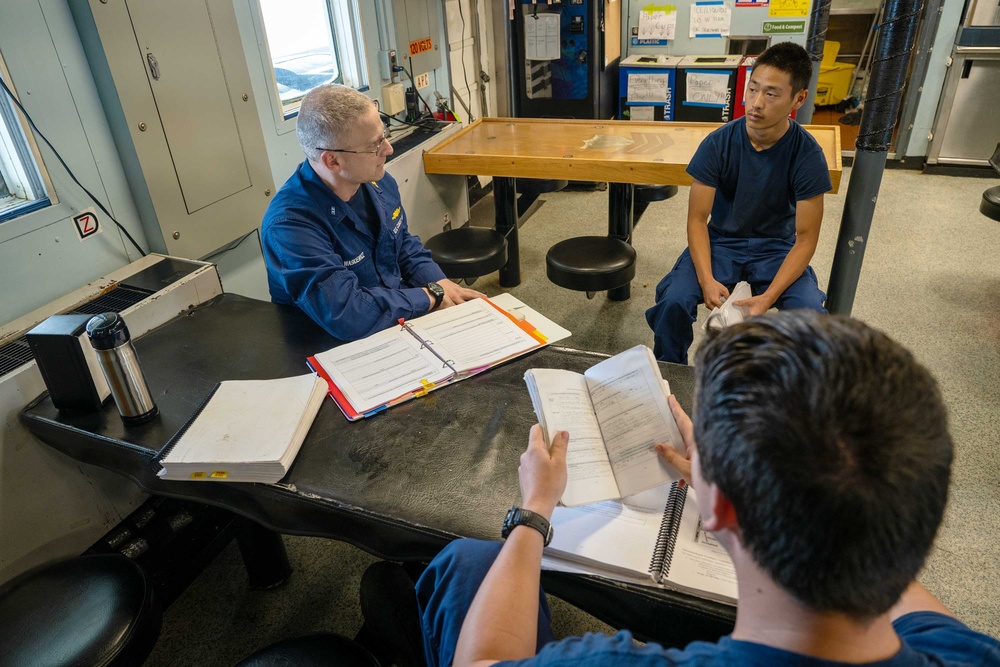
522 517
437 292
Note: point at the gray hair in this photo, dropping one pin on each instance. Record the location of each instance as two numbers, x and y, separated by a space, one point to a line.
327 117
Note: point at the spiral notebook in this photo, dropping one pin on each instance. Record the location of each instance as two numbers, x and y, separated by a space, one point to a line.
245 431
652 538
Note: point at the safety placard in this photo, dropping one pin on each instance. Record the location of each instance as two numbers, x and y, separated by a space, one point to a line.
421 46
87 224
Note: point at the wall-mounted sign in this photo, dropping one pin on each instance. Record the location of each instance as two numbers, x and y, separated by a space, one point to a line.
87 224
783 27
421 46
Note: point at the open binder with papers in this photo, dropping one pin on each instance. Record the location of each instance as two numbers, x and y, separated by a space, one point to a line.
654 538
408 360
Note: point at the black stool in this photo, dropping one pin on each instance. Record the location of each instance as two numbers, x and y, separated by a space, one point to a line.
990 206
645 194
591 264
91 610
319 650
468 252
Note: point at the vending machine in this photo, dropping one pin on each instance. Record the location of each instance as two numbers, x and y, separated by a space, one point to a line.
565 59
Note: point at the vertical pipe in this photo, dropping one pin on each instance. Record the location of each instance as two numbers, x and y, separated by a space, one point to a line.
885 87
505 207
620 201
818 20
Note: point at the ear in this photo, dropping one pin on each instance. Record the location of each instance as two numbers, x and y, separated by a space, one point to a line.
330 160
718 512
799 98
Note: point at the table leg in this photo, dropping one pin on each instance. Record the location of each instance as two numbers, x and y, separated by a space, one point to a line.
505 209
620 200
263 554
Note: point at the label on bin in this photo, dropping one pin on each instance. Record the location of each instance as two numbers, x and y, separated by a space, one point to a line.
783 27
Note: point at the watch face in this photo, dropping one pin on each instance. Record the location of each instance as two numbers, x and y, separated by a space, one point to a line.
436 289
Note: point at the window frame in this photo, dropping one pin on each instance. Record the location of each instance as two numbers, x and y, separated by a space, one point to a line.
21 166
348 41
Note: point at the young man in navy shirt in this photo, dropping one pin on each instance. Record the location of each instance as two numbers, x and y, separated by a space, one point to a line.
820 456
754 211
334 237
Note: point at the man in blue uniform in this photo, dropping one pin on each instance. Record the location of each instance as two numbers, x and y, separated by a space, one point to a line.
754 211
335 239
820 456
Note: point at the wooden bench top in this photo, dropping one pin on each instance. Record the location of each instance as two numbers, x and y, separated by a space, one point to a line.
617 151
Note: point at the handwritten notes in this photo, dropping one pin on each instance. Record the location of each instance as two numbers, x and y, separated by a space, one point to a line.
705 88
658 22
647 87
788 8
644 112
711 19
541 36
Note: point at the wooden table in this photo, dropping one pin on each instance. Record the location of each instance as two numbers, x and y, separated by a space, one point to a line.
620 152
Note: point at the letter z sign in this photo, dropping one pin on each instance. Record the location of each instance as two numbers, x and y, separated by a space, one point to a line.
87 224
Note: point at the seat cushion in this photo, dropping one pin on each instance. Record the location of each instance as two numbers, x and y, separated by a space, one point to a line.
316 650
990 206
468 252
590 263
650 193
91 610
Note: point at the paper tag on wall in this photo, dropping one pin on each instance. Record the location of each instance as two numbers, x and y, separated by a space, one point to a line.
87 224
710 19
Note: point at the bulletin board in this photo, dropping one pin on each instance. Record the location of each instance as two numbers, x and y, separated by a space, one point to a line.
705 27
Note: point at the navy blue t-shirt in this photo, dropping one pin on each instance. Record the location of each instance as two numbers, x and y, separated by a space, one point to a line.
928 639
756 191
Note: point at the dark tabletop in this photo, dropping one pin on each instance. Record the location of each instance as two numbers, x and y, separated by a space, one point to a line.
399 485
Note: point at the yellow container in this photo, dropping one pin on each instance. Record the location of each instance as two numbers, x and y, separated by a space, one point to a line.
834 83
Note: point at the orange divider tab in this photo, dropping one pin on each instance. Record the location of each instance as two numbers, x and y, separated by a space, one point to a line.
526 326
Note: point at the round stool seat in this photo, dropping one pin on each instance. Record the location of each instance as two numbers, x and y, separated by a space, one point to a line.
468 252
990 206
590 263
91 610
645 193
319 650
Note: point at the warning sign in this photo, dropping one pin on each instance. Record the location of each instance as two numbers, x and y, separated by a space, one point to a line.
87 224
421 46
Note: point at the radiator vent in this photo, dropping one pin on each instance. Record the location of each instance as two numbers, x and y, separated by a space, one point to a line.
16 353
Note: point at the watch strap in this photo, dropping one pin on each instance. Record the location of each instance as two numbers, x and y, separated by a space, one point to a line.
517 516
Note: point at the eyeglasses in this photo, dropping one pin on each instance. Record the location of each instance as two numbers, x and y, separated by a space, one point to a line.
375 149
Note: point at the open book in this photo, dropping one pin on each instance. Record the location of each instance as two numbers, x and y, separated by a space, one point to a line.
408 360
246 431
654 538
615 412
729 313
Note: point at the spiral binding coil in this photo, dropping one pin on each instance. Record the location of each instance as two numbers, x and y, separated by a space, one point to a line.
663 552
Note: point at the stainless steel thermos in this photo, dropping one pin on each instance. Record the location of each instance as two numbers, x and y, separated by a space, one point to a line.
110 339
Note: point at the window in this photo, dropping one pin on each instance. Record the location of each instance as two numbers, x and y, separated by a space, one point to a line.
22 187
310 43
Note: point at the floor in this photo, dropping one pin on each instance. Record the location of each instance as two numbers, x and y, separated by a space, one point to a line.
930 279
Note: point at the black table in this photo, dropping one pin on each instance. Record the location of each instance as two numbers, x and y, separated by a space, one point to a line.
400 485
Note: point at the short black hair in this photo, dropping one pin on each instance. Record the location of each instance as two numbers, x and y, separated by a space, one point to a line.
831 441
790 58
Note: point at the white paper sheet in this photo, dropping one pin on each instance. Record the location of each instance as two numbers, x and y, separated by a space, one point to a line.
647 87
710 19
657 23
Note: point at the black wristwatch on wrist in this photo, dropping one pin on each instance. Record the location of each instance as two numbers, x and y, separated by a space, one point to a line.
437 293
522 517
